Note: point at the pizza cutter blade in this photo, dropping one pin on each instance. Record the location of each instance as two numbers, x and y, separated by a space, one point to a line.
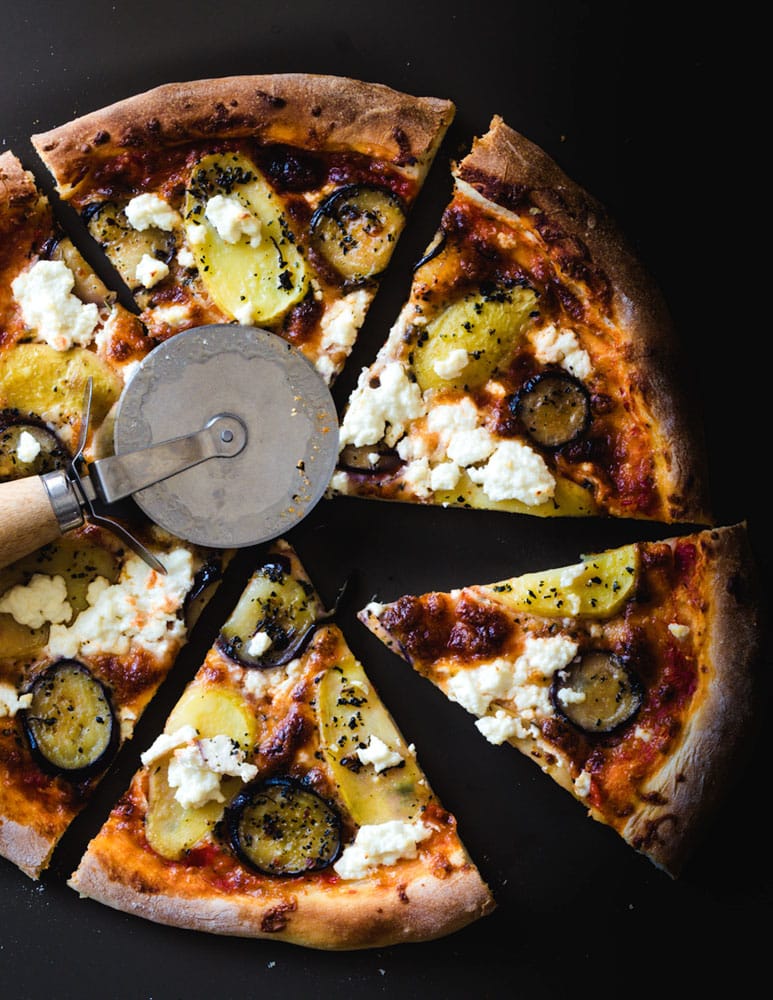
225 436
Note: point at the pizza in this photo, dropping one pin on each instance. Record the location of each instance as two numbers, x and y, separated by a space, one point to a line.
534 366
88 630
281 801
273 201
629 677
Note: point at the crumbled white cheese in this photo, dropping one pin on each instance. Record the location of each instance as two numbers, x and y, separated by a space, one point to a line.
416 476
515 472
679 631
195 770
195 233
165 742
374 608
642 734
341 322
582 784
150 271
380 844
185 258
568 696
258 644
444 476
379 754
562 348
11 701
449 418
141 609
500 727
43 599
524 682
466 447
127 718
173 314
148 210
324 365
232 219
278 681
453 364
245 313
571 573
395 400
50 309
413 446
27 447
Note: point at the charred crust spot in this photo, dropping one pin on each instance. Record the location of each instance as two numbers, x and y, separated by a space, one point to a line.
277 918
101 137
653 833
402 893
270 99
316 111
653 798
154 126
406 156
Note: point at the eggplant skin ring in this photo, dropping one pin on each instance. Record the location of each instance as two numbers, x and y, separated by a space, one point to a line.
70 724
280 827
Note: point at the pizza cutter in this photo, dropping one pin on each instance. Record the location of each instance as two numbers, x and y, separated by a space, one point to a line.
225 436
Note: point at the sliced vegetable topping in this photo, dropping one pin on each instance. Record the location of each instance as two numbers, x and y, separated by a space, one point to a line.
373 459
28 447
598 693
464 345
355 230
354 724
246 252
274 618
279 827
554 408
70 724
125 246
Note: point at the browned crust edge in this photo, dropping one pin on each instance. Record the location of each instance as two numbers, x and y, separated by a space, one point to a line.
516 163
700 772
18 192
344 917
314 110
25 847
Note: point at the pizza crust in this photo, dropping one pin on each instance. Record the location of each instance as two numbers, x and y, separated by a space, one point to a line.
329 916
18 193
508 162
24 847
702 768
311 110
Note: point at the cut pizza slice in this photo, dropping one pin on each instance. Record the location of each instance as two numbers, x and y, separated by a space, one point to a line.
87 630
628 677
533 367
274 201
281 801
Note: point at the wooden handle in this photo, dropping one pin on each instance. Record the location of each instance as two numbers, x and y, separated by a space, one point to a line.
27 519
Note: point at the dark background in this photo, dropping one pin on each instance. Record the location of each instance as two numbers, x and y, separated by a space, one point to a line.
644 107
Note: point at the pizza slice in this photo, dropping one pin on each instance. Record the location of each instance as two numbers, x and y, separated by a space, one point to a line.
274 201
628 677
281 801
533 367
88 631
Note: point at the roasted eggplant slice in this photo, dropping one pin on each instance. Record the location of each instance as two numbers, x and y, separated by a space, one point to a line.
88 286
355 230
597 693
28 447
554 408
70 724
274 618
279 827
369 459
124 245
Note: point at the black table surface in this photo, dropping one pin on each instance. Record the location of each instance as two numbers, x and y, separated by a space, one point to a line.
633 103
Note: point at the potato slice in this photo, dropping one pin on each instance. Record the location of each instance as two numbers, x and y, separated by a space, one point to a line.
172 829
350 713
214 712
256 275
35 378
595 588
484 326
77 561
569 500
